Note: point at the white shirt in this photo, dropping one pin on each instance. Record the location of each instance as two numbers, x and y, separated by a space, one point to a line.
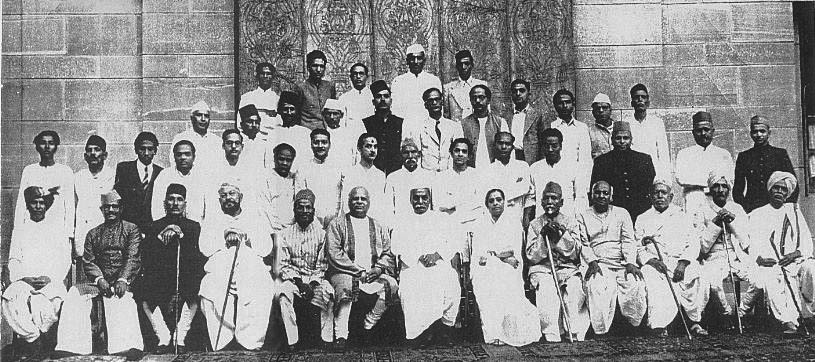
436 152
518 121
693 167
144 170
397 189
89 189
515 180
459 191
282 190
324 179
40 248
297 136
573 184
258 151
263 100
57 175
373 179
208 148
407 92
344 144
482 157
362 242
576 142
358 106
196 183
649 137
460 91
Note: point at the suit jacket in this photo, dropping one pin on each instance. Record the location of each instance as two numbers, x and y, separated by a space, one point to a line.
472 131
534 124
753 168
135 200
631 174
389 134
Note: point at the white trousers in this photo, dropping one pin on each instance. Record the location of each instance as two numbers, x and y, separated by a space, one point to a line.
427 295
183 325
550 311
290 292
28 312
802 281
121 319
605 291
244 320
344 314
661 305
715 271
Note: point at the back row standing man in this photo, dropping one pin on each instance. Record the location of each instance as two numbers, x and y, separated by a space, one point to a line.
314 91
457 93
648 131
408 88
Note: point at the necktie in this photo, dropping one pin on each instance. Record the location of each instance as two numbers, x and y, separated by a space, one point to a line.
146 180
438 132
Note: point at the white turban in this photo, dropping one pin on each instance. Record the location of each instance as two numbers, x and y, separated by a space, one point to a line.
786 178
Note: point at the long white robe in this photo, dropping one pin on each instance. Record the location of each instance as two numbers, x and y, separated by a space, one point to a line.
324 179
506 315
693 167
88 189
677 239
427 293
573 182
766 232
458 194
514 179
397 190
407 92
250 299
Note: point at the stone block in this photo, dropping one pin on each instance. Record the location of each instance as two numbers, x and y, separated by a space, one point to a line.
12 35
12 66
43 34
685 54
772 84
616 83
702 86
81 6
120 66
103 99
697 23
216 37
43 99
730 54
211 66
763 22
738 117
170 99
15 158
676 119
103 35
10 130
60 66
76 133
618 24
165 6
213 6
12 7
165 66
12 100
120 152
623 56
8 196
187 34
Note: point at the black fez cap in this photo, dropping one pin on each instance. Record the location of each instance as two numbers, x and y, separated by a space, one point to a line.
248 111
463 54
97 141
379 86
176 189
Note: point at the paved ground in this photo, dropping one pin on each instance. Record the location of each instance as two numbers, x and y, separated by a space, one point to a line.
748 347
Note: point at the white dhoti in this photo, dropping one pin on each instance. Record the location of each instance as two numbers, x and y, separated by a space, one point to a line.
121 320
605 291
506 315
802 280
661 305
245 320
323 298
31 312
549 308
429 294
182 325
715 270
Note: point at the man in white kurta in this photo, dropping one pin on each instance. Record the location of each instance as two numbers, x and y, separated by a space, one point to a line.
724 243
457 194
429 286
648 132
356 102
610 252
257 146
55 178
576 139
511 176
399 183
670 247
232 167
322 174
281 187
559 234
344 134
207 144
235 238
263 97
407 88
32 301
365 174
188 174
89 185
292 131
573 182
457 92
695 163
780 238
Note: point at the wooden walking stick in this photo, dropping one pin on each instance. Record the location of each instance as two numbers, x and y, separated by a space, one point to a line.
727 240
673 293
226 297
177 293
557 288
787 279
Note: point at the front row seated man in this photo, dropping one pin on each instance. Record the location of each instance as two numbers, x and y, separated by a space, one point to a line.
32 300
111 261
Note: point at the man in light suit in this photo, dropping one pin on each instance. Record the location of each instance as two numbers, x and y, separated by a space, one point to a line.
135 179
456 93
481 126
527 123
435 134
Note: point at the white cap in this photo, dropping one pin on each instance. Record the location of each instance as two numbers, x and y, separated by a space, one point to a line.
601 98
201 106
415 49
333 104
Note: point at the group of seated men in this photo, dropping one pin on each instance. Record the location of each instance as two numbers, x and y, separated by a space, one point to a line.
318 208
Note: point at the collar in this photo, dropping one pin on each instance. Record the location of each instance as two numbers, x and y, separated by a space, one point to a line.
568 123
604 128
524 110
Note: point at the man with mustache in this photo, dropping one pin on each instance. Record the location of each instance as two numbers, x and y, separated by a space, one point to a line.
343 133
399 183
90 184
292 131
314 91
481 126
408 87
207 143
436 133
457 92
389 129
322 175
648 131
573 183
184 173
263 97
356 102
365 174
527 122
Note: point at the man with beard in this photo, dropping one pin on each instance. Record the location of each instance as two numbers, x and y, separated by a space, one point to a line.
170 281
184 173
364 174
111 262
356 102
457 92
610 252
321 175
629 172
436 133
560 234
671 247
648 131
263 97
755 165
572 182
314 91
292 131
307 297
513 178
481 126
135 180
359 260
387 128
399 183
695 163
429 288
576 140
527 122
408 87
207 144
89 185
781 241
600 133
235 243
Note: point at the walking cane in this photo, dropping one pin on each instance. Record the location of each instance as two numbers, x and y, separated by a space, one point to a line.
787 281
727 240
557 288
226 296
673 293
177 293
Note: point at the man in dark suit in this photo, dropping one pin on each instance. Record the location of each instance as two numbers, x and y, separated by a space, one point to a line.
482 120
630 173
754 166
386 127
527 123
135 179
